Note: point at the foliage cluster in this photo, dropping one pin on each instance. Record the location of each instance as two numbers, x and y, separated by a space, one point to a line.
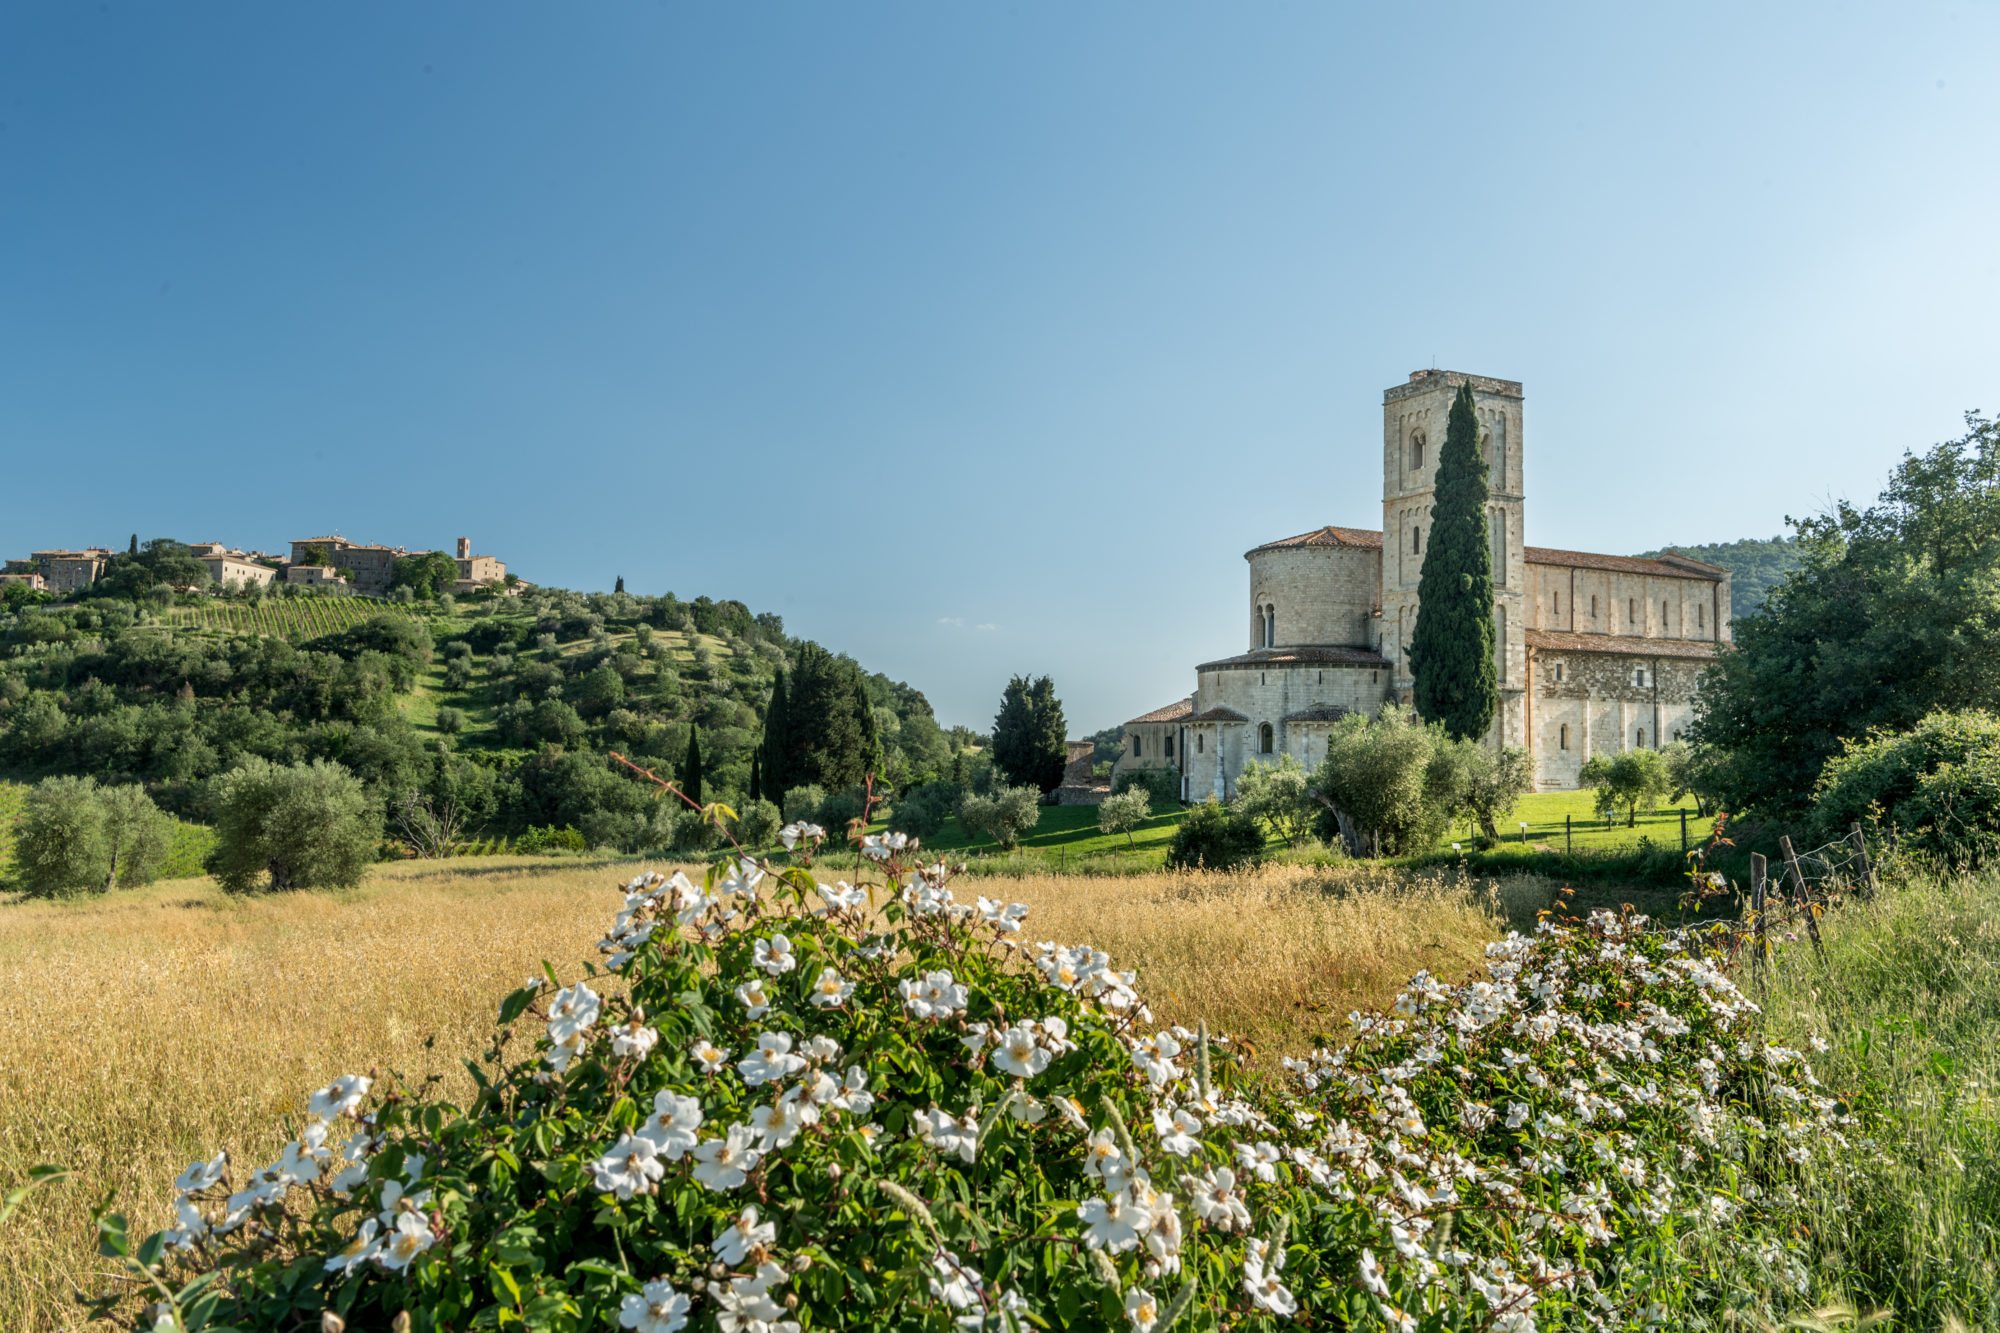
1215 836
1755 567
1452 648
796 1104
75 836
1030 738
1935 788
1392 787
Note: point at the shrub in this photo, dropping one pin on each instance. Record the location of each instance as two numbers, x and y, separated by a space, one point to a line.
757 824
1125 812
451 721
1215 836
1937 786
793 1106
840 809
1276 794
1164 784
1003 816
923 810
549 841
305 826
802 804
1627 781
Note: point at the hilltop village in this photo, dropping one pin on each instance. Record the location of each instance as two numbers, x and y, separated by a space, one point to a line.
328 563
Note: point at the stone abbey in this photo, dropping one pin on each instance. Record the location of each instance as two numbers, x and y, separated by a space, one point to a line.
1595 653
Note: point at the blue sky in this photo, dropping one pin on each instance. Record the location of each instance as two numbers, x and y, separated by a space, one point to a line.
973 339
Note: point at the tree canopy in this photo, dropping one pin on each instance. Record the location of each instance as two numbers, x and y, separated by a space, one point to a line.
1894 613
1030 738
1451 651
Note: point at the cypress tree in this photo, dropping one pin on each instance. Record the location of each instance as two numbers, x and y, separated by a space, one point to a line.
1451 652
756 785
133 548
620 585
1030 738
829 723
776 776
691 767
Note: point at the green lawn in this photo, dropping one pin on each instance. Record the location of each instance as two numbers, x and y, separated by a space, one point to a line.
1067 836
1544 813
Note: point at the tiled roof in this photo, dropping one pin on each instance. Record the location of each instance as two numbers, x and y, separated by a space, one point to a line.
1621 564
1218 714
1632 645
1328 536
1319 713
1302 655
1173 712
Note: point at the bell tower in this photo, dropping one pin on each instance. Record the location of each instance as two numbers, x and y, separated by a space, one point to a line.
1413 426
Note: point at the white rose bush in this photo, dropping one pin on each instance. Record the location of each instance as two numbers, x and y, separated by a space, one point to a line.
780 1104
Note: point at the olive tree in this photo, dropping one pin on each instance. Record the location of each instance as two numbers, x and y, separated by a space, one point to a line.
77 837
1632 779
1003 816
305 826
1125 812
1277 794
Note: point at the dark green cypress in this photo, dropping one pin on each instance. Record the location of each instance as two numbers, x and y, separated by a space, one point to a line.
620 585
776 773
756 785
1030 740
133 548
1451 652
691 767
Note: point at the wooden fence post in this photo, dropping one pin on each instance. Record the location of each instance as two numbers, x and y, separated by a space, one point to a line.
1757 915
1568 846
1799 895
1867 866
1684 831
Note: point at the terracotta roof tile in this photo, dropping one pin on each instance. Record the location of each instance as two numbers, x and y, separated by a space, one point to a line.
1173 712
1632 645
1328 536
1619 564
1218 714
1301 655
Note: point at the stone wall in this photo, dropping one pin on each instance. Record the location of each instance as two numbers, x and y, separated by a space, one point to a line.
1598 601
1594 703
1320 594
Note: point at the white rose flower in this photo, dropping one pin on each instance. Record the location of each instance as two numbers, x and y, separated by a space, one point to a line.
775 955
1177 1130
722 1164
831 989
573 1009
755 1001
1261 1265
671 1128
1115 1224
633 1038
655 1308
411 1237
1142 1310
631 1167
742 1236
955 1284
947 1133
357 1251
338 1098
203 1175
772 1060
707 1056
1020 1052
1260 1160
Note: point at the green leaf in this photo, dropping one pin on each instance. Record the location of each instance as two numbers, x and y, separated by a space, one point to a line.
37 1177
518 1001
112 1241
550 973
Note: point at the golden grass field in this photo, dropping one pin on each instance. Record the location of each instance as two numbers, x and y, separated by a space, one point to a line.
156 1026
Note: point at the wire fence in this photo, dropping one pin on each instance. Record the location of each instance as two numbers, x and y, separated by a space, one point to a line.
1789 896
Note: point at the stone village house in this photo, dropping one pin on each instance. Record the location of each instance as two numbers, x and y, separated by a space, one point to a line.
1595 653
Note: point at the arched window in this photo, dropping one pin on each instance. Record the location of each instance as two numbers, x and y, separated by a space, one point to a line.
1700 616
1562 736
1559 604
1416 450
1631 610
1559 673
1267 740
1416 540
1663 615
1270 626
1593 606
1136 749
1639 738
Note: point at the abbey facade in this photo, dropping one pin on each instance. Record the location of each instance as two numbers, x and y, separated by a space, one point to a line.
1595 653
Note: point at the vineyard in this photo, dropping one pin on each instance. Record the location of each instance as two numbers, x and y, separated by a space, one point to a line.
300 618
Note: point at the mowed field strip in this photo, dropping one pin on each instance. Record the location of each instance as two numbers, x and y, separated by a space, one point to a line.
153 1027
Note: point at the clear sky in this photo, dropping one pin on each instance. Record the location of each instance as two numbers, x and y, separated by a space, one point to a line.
972 338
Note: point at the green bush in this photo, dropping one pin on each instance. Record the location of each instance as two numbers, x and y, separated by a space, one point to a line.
549 841
305 826
840 809
802 805
1164 784
923 811
1936 787
757 824
1277 795
1627 781
1002 816
797 1106
1215 836
1385 776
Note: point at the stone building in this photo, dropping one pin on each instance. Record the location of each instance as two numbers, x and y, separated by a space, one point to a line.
373 566
476 571
1594 653
64 570
227 566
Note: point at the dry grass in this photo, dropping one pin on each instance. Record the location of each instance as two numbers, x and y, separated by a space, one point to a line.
157 1026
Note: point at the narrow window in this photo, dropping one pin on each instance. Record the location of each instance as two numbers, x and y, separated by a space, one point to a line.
1639 738
1137 750
1559 672
1200 744
1631 610
1559 604
1266 738
1416 450
1562 737
1593 606
1700 616
1170 745
1416 541
1663 617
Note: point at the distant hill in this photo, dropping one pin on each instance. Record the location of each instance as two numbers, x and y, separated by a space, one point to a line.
1755 567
